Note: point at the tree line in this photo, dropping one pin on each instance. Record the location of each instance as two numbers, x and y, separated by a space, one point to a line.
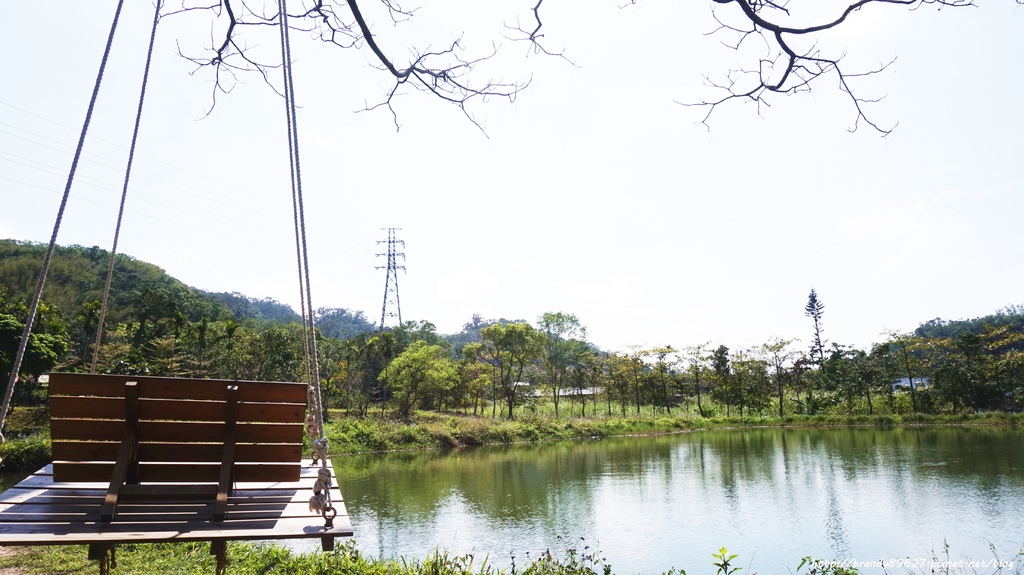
499 368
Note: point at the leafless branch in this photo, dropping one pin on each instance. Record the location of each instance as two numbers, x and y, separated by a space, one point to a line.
788 69
445 73
792 60
534 35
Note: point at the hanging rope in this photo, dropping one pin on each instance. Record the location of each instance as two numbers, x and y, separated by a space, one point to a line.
16 367
321 499
296 183
124 192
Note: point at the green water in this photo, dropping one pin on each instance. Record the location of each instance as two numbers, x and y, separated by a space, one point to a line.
651 503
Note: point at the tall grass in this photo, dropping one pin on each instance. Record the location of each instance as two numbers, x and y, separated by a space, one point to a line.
429 430
569 557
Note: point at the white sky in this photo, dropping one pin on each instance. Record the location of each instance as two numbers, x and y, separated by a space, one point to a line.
594 193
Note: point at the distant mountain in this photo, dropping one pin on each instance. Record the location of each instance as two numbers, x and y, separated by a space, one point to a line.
139 291
143 292
245 307
471 331
1012 316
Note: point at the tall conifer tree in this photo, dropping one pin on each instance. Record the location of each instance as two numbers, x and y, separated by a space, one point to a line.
814 310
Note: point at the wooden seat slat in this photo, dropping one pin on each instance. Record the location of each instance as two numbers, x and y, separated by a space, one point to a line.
151 514
195 472
174 431
173 452
112 408
96 385
276 511
149 459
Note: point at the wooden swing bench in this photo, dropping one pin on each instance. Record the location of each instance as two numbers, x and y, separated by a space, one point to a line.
151 459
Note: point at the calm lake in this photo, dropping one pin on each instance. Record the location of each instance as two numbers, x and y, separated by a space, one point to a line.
652 503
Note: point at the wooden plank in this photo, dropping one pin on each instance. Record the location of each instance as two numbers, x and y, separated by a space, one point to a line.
82 497
174 431
87 385
86 407
176 493
203 452
85 429
227 462
183 410
125 468
175 472
104 385
259 510
71 407
263 412
116 474
117 533
42 480
84 450
154 513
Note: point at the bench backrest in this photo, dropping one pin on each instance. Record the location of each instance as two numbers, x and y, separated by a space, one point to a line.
181 428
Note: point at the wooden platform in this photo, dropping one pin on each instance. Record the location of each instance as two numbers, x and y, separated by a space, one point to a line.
38 511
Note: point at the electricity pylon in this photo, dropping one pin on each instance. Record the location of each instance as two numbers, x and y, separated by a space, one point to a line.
392 307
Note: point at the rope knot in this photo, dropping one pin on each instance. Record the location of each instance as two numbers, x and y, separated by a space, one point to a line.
312 426
318 503
323 480
320 450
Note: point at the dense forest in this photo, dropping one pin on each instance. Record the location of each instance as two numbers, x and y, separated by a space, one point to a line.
156 325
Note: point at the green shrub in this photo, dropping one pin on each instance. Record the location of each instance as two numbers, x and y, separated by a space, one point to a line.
25 455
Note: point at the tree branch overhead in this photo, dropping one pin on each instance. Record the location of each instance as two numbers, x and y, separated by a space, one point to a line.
787 58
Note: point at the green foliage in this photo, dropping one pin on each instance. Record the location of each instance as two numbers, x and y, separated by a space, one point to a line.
421 373
1010 316
43 352
254 559
244 307
425 430
723 561
815 309
261 559
511 348
341 323
578 558
25 455
158 326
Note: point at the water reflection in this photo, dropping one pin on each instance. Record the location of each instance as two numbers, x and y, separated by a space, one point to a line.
773 495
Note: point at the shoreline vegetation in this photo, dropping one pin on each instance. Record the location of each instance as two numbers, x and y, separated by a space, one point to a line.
29 449
571 557
28 444
575 558
446 431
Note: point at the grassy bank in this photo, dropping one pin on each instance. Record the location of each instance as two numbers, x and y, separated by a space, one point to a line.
572 558
28 444
251 559
438 431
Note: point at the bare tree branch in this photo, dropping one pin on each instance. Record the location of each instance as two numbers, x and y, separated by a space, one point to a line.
446 73
534 36
792 60
787 69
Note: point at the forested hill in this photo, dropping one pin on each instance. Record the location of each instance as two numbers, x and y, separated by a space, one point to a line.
245 307
146 304
139 291
1010 316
